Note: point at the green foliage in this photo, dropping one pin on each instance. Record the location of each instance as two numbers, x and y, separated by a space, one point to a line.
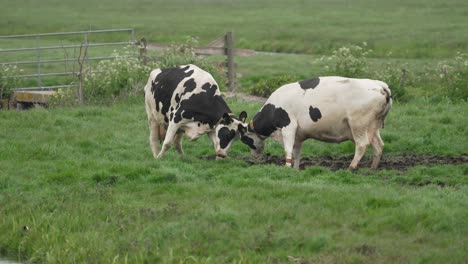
267 85
63 97
7 82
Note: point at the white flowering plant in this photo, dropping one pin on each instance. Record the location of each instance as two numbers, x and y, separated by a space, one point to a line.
350 61
453 75
447 78
110 78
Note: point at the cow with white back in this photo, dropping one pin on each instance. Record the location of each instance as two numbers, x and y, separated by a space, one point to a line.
329 109
187 99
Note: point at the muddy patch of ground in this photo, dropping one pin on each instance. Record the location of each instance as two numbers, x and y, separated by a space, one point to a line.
388 162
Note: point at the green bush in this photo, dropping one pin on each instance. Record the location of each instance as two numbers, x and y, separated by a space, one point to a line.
350 61
266 86
7 82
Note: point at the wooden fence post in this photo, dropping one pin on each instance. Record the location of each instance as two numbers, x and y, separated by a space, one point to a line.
142 47
229 52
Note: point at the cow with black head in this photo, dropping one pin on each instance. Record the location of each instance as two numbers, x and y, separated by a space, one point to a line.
186 99
329 109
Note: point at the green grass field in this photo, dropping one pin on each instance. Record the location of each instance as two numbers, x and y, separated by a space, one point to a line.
85 182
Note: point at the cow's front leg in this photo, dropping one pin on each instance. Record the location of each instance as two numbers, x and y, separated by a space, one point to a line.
154 137
170 135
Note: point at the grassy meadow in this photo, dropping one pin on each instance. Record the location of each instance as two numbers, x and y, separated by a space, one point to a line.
85 183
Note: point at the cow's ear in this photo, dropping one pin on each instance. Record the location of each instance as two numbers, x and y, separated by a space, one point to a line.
243 116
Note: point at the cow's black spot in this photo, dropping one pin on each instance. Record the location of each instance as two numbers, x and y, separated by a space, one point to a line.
177 117
210 88
270 119
314 113
190 85
172 116
177 99
225 136
164 85
310 83
204 107
248 141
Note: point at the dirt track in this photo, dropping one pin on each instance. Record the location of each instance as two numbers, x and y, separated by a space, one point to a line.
389 162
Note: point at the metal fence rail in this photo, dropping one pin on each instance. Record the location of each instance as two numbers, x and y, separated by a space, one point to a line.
40 72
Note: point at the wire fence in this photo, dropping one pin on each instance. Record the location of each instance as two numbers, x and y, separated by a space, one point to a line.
58 60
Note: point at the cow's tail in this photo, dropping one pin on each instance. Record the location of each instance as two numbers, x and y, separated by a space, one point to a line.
388 102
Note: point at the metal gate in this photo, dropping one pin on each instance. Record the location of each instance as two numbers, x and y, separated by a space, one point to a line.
42 57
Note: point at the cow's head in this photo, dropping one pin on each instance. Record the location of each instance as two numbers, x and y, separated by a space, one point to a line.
248 136
226 131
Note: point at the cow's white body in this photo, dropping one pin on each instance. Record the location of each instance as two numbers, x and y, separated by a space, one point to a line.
336 109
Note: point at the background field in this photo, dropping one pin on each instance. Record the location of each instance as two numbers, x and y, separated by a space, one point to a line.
85 183
410 29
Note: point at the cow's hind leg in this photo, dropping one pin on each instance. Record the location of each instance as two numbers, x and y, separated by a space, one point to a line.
377 149
288 136
154 135
361 140
178 143
170 135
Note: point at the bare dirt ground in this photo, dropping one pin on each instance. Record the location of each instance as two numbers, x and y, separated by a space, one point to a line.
388 162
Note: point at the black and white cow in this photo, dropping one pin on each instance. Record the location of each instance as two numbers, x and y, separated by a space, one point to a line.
330 109
187 99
